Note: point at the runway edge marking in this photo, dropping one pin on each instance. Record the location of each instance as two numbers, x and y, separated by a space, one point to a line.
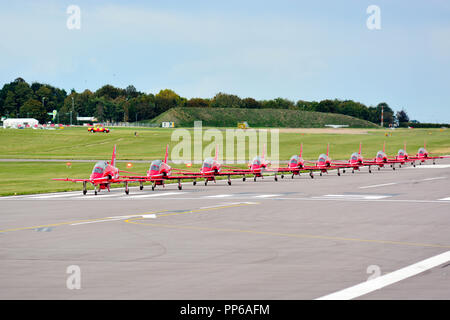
388 279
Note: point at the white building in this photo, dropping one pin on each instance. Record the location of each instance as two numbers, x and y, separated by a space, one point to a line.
19 122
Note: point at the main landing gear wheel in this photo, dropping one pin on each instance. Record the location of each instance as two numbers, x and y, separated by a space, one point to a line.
276 178
321 174
370 171
229 183
95 192
343 171
84 192
282 176
254 179
180 187
243 179
206 182
379 168
127 191
194 182
292 177
141 187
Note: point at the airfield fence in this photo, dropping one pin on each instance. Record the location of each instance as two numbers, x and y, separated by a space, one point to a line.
131 124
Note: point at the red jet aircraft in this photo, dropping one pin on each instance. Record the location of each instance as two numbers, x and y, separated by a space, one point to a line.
102 176
323 164
159 172
256 168
423 155
211 168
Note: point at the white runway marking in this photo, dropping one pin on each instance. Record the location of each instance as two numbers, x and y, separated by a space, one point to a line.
378 185
437 178
220 196
149 216
155 195
49 196
96 221
431 166
353 196
268 195
388 279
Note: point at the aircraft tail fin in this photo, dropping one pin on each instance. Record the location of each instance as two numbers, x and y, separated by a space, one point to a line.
167 154
360 147
301 150
113 158
328 149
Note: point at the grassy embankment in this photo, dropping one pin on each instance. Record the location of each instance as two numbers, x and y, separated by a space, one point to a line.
229 117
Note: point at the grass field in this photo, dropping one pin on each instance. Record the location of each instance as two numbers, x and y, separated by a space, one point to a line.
77 143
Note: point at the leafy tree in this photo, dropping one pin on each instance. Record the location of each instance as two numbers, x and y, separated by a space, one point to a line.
327 106
197 103
166 99
33 109
131 92
402 118
110 92
251 103
225 100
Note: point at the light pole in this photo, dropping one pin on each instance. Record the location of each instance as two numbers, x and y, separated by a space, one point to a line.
43 105
73 108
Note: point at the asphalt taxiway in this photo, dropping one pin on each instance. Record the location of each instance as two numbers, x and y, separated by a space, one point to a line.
298 238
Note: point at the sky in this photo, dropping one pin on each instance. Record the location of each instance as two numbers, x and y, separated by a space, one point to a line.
309 50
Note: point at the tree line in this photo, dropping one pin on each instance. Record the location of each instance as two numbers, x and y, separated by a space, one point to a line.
112 104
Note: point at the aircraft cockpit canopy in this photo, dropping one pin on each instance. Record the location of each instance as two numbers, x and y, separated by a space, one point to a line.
322 158
100 167
381 155
294 160
422 151
208 163
156 165
256 161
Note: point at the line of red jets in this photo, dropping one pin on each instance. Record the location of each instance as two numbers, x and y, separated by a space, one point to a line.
106 173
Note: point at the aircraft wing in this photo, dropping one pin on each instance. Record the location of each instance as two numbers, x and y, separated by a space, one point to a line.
71 180
102 180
